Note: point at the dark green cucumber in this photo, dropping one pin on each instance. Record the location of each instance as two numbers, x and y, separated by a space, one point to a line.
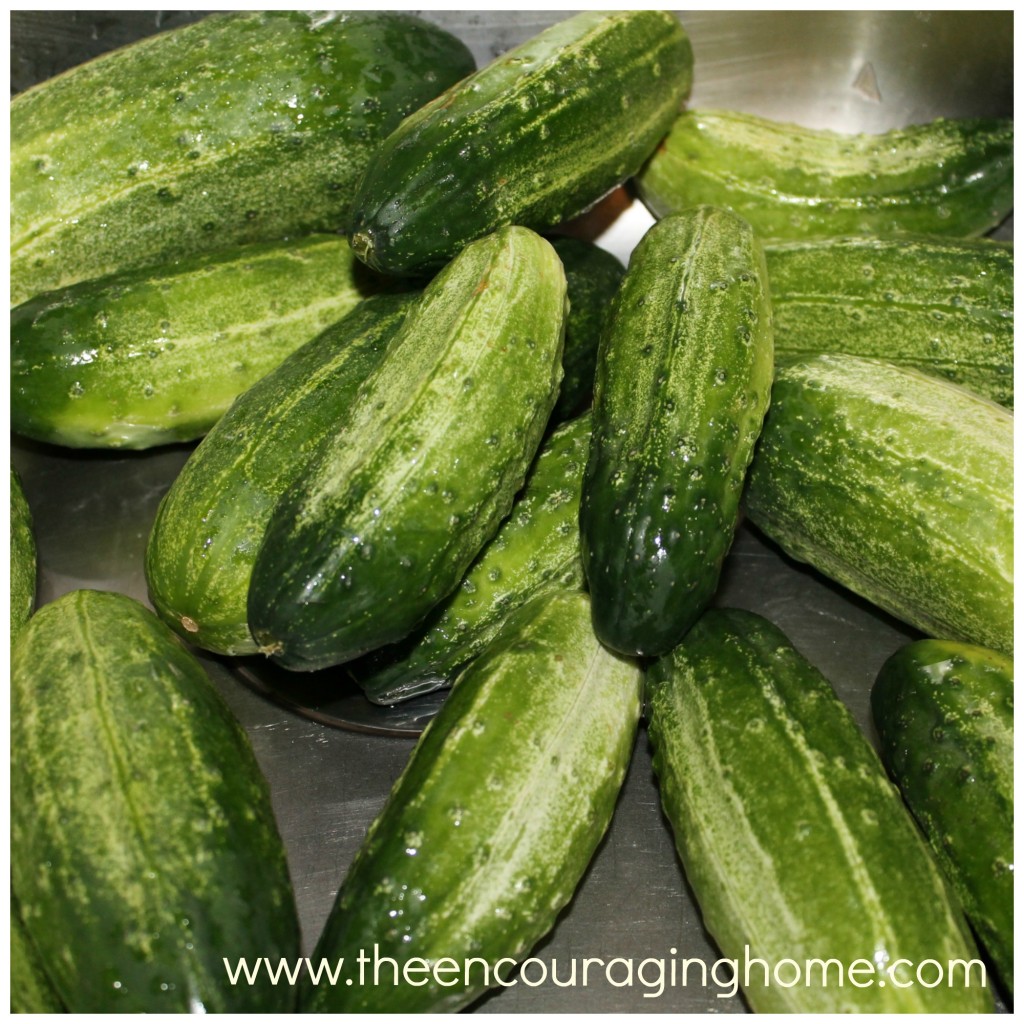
896 484
534 138
143 846
536 550
684 374
798 848
944 714
243 127
592 277
948 177
24 558
944 305
397 504
31 988
210 523
153 356
494 820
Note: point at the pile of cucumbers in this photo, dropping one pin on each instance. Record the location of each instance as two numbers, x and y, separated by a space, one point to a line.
442 445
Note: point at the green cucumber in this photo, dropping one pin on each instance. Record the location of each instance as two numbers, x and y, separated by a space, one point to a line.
684 375
896 484
31 989
242 127
143 846
494 820
397 504
24 558
592 277
535 550
210 523
944 714
155 356
944 305
797 847
534 138
948 177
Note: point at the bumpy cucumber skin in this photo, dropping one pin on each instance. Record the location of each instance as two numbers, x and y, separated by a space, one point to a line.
31 989
896 484
534 138
592 277
155 356
143 845
792 837
536 550
490 827
395 507
944 714
243 127
210 523
947 177
24 558
683 381
944 305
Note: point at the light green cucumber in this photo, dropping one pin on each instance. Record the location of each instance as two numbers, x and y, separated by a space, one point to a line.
31 988
24 558
493 822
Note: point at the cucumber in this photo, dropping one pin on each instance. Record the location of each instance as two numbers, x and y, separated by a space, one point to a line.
31 989
944 305
683 380
397 504
795 843
947 177
151 357
243 127
944 714
896 484
592 277
24 558
534 138
210 523
536 550
143 845
494 820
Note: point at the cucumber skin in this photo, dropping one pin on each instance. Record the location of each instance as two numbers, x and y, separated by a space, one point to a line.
684 377
395 507
534 138
209 525
592 277
24 558
156 356
143 845
536 550
948 177
31 990
944 305
782 812
944 714
244 127
897 485
505 797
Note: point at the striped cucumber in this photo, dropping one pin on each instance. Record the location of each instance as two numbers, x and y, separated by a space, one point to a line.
948 177
684 375
210 523
534 138
397 504
24 557
797 847
592 277
896 484
150 357
944 305
496 816
536 550
143 845
31 988
243 127
944 714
